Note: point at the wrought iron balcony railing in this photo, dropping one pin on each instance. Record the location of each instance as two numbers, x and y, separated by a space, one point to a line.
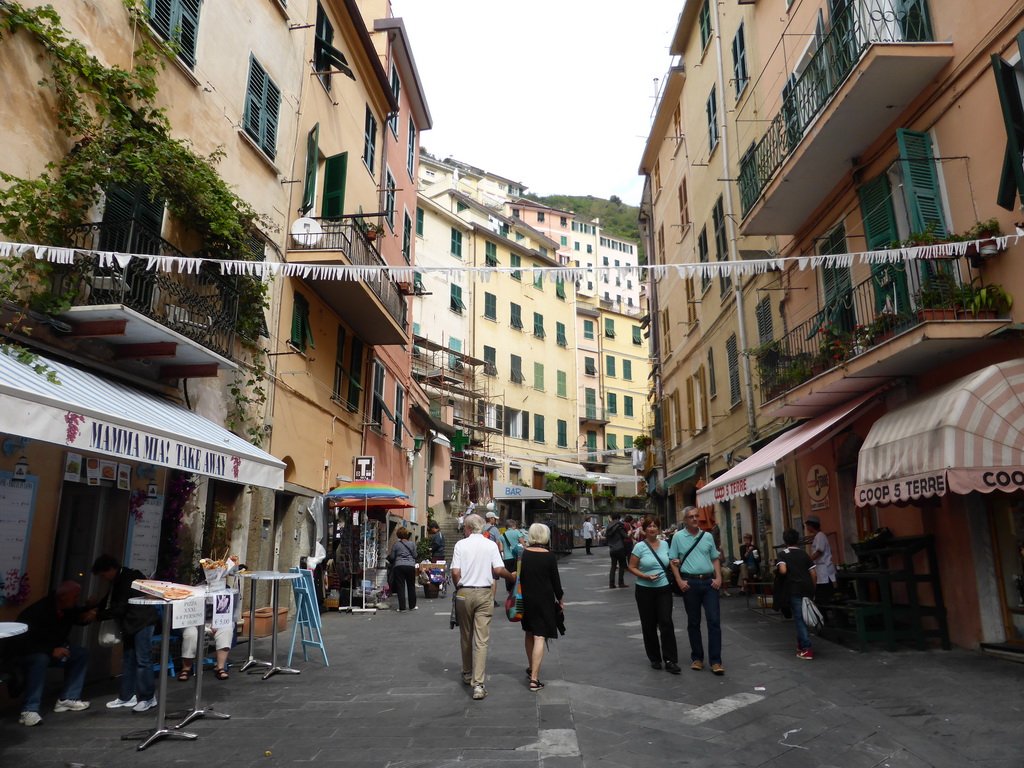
861 24
593 413
862 317
202 306
348 236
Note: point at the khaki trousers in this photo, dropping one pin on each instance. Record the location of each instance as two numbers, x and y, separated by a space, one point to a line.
474 607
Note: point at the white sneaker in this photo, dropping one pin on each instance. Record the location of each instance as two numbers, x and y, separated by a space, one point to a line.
70 705
142 706
29 718
479 692
116 703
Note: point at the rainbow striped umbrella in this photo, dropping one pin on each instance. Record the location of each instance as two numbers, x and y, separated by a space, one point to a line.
366 490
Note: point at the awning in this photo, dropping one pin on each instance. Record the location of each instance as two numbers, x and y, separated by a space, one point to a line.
966 436
568 469
86 412
758 472
512 492
440 439
686 473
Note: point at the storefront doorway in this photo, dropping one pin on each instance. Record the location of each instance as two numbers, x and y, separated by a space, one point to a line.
1008 541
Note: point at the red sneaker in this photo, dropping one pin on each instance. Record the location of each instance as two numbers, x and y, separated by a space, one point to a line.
806 654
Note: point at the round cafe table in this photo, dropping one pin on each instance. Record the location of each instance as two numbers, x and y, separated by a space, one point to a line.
198 710
275 578
12 629
149 735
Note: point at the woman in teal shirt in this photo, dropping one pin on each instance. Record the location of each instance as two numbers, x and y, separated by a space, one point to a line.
653 596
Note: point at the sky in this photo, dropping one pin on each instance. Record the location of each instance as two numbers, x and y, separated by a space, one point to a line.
556 94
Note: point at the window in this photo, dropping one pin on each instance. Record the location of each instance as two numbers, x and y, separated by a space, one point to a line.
711 109
611 442
561 384
516 320
763 312
538 376
627 406
1011 183
490 306
456 245
407 237
560 289
712 386
637 335
609 365
739 62
540 216
538 325
588 329
627 370
456 304
732 355
419 222
339 365
410 153
590 248
378 408
564 240
627 443
327 58
262 103
490 361
538 427
399 409
589 366
490 254
355 375
396 89
609 328
721 244
563 434
590 402
312 163
560 339
613 403
302 334
702 254
389 198
592 445
517 369
538 278
515 260
460 206
177 22
455 361
369 140
705 23
335 176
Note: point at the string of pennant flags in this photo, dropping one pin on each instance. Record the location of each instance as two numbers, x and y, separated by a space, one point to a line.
559 274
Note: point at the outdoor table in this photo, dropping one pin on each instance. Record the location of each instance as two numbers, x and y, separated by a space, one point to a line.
161 730
198 710
11 629
275 578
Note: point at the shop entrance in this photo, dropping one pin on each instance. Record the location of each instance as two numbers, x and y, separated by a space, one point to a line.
1008 541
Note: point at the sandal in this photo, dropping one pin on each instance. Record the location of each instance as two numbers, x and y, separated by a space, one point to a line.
536 685
220 674
185 675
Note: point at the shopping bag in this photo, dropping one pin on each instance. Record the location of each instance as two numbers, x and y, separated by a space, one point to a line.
812 616
514 601
110 633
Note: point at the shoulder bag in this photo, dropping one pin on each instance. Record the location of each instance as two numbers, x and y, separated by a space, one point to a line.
812 616
672 583
514 600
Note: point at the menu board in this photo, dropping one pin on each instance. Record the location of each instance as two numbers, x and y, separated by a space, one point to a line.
144 536
17 503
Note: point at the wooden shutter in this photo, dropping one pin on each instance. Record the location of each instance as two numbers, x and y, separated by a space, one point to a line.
921 182
1011 183
272 107
335 175
889 280
312 160
186 30
255 97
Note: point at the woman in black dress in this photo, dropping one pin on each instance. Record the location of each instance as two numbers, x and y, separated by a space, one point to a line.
542 598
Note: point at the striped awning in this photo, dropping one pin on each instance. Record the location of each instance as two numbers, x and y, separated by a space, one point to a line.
966 436
88 413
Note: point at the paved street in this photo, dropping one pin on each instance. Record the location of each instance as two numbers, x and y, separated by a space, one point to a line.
392 697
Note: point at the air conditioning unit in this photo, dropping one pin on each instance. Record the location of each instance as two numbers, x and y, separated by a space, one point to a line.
448 491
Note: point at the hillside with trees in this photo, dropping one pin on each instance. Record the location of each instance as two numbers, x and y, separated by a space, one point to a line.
617 218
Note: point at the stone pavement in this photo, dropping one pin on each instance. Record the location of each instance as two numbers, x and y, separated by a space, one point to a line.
392 697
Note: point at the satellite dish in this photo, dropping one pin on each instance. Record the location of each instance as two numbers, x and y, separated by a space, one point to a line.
307 231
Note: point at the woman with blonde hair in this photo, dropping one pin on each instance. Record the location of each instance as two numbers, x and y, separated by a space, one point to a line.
542 598
403 569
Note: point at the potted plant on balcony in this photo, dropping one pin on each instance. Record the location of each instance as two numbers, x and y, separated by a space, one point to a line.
986 232
987 302
372 231
834 346
938 298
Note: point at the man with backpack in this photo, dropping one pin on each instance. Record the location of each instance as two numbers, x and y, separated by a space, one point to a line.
616 536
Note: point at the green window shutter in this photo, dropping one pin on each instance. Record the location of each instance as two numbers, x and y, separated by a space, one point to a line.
611 441
369 140
538 427
456 249
560 289
302 334
922 185
538 280
636 335
609 327
490 361
407 238
560 335
538 325
837 285
627 370
335 175
588 329
763 313
563 433
627 442
490 254
515 260
516 318
627 405
563 388
609 365
456 299
889 280
590 402
1011 183
538 376
613 402
312 159
355 375
177 21
419 222
490 306
589 366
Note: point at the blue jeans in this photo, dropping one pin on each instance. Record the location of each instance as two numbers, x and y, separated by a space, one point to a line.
36 665
699 596
803 637
137 666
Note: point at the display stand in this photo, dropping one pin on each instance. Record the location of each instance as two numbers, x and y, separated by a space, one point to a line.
198 710
307 617
149 735
275 578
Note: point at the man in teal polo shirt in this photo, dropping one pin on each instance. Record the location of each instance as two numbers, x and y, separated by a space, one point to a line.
698 571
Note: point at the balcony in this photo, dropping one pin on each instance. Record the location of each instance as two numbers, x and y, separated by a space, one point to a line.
187 321
877 331
374 307
593 414
869 67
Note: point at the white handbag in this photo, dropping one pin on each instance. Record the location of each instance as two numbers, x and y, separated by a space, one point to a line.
812 616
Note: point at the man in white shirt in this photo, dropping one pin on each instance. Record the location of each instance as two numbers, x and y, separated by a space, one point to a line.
821 554
476 563
588 534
